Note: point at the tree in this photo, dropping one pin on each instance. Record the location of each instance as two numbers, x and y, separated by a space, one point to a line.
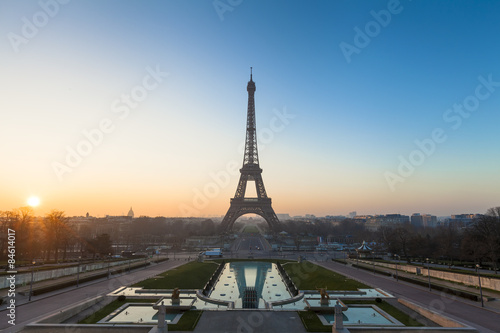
448 238
7 219
22 219
486 229
57 233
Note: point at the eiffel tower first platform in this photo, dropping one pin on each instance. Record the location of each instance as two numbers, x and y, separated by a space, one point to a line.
251 171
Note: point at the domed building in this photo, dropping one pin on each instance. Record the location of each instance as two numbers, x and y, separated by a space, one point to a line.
130 213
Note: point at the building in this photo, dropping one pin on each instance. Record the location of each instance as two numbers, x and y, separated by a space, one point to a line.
377 221
462 220
425 220
130 213
429 220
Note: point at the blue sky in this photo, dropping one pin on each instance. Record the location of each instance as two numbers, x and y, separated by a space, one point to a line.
349 119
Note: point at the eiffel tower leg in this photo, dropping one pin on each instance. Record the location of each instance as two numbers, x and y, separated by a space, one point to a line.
270 216
229 218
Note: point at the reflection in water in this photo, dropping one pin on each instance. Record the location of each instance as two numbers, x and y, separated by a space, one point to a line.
259 281
250 274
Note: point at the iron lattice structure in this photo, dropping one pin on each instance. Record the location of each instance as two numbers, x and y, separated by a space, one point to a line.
250 171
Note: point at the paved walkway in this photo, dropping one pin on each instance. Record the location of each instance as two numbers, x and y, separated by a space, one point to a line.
250 322
51 303
486 320
493 304
22 292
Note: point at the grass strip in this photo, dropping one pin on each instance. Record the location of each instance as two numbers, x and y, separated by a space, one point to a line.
193 275
308 276
188 321
312 323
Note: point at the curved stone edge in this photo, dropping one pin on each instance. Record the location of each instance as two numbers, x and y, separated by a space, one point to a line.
229 304
298 297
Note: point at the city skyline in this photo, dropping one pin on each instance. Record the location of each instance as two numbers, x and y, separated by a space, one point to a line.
376 107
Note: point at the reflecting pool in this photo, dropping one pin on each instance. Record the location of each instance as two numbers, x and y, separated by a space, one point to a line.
250 284
139 314
363 315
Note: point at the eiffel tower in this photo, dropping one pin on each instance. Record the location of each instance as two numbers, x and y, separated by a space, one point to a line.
240 205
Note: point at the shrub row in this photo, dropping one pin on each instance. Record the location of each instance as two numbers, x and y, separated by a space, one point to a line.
456 292
340 261
371 270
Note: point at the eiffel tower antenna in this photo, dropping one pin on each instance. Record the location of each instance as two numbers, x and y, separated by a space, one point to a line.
251 171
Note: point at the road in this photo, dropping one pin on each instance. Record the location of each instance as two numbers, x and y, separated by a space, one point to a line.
39 308
467 312
250 244
470 313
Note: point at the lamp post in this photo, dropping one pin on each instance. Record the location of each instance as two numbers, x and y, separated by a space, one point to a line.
428 273
33 262
109 262
78 273
480 289
357 259
373 261
397 261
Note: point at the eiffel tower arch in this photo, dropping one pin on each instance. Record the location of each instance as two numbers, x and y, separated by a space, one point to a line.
251 171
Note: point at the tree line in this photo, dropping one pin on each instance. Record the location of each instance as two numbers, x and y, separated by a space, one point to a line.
48 238
477 242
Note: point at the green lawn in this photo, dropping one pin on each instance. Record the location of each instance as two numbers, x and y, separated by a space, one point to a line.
312 323
193 275
308 276
251 229
188 321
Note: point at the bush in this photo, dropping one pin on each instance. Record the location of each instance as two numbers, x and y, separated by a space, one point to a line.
122 298
340 261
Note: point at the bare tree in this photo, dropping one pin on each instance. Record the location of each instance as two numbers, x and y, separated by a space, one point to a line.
56 232
487 230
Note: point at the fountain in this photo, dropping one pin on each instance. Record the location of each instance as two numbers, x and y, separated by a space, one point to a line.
175 296
324 296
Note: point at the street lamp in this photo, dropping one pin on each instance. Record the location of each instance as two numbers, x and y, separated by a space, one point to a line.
397 261
33 262
109 262
357 259
480 289
373 261
78 273
428 273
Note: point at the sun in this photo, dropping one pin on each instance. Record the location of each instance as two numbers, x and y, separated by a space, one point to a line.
33 201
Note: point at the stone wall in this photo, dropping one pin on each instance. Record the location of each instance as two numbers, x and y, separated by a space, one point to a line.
467 279
25 278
